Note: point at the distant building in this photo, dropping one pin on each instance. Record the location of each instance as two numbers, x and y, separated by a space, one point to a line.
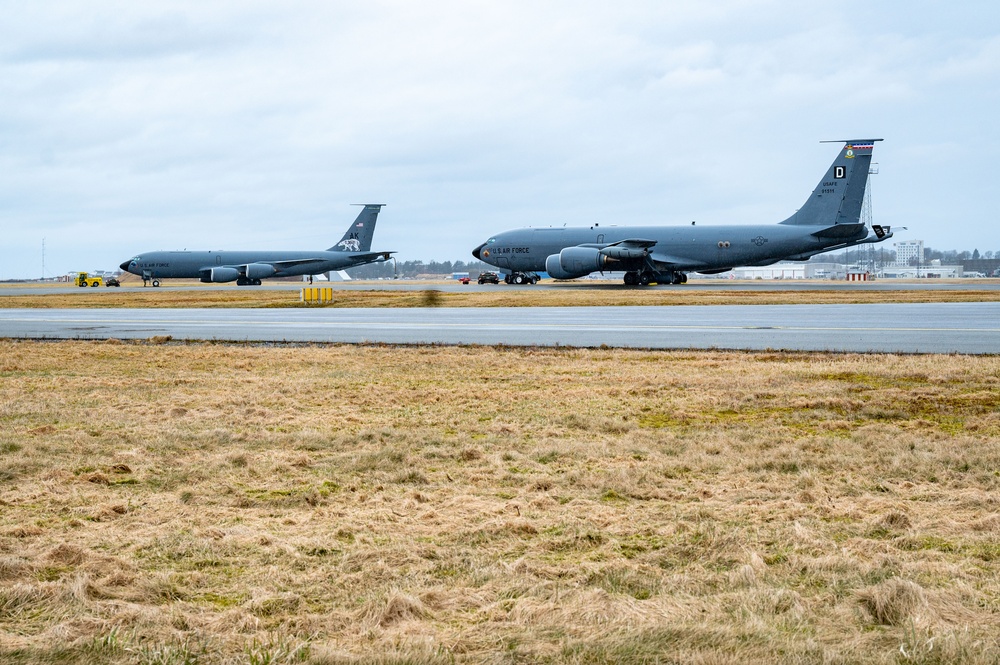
792 270
906 250
935 270
774 271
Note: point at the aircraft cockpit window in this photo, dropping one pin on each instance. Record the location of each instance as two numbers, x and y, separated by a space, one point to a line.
491 240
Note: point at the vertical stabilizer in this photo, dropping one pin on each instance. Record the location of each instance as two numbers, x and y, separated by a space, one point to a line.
359 236
839 196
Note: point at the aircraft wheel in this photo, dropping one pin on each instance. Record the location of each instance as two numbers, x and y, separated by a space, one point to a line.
519 279
644 279
256 282
684 278
631 279
533 281
156 282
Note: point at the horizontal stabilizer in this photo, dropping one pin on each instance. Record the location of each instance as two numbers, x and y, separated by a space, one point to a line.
371 256
839 231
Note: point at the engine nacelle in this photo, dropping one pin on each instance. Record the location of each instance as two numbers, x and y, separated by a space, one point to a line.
220 275
624 253
555 270
260 270
575 262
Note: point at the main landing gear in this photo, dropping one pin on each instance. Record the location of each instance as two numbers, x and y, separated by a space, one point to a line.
646 277
243 281
521 278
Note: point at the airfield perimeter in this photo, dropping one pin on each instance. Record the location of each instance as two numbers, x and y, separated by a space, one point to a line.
165 502
414 293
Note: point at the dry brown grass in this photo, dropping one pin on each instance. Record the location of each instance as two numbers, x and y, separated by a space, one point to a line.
364 504
565 294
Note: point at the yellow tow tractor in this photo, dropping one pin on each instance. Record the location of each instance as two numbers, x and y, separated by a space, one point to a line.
83 279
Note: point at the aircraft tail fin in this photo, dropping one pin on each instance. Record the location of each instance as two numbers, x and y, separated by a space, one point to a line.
839 196
359 236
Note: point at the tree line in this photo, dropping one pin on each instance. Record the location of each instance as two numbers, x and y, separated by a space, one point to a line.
876 254
864 254
402 269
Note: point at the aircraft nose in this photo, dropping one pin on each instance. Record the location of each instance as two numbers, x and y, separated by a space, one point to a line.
477 250
124 266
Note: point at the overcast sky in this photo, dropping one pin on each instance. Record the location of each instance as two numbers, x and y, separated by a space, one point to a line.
135 126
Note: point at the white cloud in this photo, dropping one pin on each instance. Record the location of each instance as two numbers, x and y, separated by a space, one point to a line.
253 124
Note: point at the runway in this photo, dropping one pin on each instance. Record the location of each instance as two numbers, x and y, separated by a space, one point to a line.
967 328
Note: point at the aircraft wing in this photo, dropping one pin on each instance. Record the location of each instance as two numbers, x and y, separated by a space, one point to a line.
363 257
287 264
639 248
293 263
636 243
671 261
277 265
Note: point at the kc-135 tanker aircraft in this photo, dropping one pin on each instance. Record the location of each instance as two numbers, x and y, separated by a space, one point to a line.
829 220
250 267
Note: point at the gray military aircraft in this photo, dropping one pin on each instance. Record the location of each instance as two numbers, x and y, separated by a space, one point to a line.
829 220
250 267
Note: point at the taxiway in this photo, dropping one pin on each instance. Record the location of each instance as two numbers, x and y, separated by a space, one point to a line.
968 328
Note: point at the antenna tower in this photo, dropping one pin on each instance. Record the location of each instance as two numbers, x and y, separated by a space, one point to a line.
866 213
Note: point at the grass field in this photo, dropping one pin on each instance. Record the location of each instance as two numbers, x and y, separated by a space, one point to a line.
204 503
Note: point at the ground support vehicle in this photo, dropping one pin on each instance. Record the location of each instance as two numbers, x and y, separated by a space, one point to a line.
83 279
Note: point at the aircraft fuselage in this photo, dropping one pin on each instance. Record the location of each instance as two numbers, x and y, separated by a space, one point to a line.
696 248
194 265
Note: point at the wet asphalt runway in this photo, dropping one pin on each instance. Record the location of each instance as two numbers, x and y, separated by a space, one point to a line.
968 328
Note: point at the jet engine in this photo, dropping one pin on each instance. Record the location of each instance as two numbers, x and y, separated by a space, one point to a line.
260 270
622 253
576 262
220 275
